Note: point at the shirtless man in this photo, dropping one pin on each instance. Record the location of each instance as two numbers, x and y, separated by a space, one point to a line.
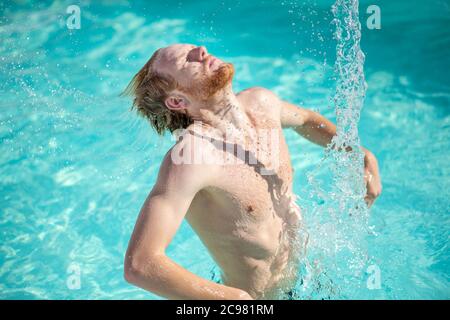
243 211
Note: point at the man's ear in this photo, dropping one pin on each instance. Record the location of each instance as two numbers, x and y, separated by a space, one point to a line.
176 102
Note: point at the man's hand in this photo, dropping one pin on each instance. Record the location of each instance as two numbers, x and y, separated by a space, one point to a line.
244 296
371 177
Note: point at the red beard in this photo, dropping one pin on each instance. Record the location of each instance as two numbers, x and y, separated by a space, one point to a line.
217 81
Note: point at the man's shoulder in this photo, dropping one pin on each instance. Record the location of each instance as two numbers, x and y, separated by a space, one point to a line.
258 92
261 99
188 146
181 174
189 156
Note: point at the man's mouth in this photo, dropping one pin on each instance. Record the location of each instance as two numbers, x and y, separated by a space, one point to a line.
211 61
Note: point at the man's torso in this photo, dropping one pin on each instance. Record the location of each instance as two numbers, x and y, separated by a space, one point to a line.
248 218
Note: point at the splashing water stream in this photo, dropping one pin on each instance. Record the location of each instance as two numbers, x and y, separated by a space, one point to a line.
347 167
337 234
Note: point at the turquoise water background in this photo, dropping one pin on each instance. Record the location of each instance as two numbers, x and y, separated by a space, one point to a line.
76 164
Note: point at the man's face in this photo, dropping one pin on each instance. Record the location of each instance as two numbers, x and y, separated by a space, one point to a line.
195 70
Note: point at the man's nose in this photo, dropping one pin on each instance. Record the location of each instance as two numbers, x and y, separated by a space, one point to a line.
198 54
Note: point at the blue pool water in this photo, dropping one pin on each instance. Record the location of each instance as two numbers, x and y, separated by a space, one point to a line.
76 165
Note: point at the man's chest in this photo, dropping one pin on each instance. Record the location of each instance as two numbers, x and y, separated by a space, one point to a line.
256 176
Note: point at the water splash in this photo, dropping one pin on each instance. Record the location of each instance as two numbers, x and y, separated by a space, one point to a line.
347 166
338 251
349 68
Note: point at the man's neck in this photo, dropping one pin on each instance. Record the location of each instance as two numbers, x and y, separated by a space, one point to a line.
223 112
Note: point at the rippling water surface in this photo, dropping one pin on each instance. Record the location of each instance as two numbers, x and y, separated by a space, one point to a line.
76 165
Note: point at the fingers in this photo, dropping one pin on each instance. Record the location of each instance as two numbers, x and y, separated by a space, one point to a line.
373 191
369 201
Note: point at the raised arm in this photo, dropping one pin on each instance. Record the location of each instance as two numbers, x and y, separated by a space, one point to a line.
146 264
309 124
318 129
